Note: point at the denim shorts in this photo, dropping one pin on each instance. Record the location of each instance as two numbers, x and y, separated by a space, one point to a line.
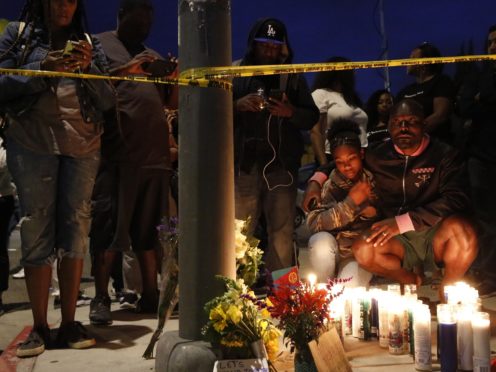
55 197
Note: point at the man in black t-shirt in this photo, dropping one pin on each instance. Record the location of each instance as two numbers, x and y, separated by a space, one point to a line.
132 188
433 90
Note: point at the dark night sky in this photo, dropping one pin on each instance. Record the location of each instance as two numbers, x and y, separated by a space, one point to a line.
323 28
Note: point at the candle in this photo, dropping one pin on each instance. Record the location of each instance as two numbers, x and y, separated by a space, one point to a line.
384 301
312 279
481 337
347 313
356 300
394 288
447 337
365 317
422 337
450 294
409 341
374 313
464 338
411 290
396 314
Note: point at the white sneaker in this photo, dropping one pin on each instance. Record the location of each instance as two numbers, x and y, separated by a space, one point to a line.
19 275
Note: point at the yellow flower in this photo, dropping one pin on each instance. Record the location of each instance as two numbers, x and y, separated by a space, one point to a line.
234 314
268 302
272 348
263 324
218 316
265 313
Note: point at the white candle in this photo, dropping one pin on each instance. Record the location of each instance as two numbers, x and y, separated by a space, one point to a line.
312 279
422 338
355 310
464 338
347 313
394 288
396 326
410 289
481 337
384 301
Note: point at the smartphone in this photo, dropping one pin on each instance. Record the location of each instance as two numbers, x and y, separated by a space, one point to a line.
159 67
276 94
69 47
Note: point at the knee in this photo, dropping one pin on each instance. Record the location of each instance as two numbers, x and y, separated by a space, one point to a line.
363 252
460 231
322 242
459 234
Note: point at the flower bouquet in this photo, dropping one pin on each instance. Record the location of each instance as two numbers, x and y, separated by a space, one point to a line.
240 325
303 313
248 255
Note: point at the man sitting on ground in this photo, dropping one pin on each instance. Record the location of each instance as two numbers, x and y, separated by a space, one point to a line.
420 184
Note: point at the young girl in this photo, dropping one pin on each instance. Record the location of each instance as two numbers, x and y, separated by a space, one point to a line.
346 209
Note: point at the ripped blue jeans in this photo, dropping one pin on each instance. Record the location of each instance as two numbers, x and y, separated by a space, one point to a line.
54 194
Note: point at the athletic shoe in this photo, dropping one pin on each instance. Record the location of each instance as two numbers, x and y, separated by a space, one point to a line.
35 343
82 299
100 310
146 307
75 336
128 300
19 275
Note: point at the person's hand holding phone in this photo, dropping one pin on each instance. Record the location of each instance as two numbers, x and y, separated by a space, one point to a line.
78 54
135 66
74 57
279 104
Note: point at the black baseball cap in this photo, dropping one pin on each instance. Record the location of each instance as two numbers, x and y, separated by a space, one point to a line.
271 31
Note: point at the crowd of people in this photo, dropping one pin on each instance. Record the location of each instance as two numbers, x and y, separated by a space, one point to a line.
392 197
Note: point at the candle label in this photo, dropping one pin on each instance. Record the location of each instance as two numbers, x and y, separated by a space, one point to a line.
482 364
406 332
364 320
423 356
383 328
347 318
395 334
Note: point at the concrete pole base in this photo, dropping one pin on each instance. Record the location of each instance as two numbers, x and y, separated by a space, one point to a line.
176 354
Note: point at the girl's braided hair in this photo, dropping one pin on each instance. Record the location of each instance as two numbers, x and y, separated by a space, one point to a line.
33 16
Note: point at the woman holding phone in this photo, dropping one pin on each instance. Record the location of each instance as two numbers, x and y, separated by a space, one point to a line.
53 151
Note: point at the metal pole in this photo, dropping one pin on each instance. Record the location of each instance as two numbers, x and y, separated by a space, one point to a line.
206 176
385 47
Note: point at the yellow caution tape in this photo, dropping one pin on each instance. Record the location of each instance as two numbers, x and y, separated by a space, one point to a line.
215 76
245 71
201 82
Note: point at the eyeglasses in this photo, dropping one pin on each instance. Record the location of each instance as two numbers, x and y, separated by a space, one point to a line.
409 121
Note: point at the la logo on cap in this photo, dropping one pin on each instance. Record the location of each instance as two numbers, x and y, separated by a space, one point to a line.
270 31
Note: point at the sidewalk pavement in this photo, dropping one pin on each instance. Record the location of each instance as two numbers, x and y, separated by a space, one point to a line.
126 339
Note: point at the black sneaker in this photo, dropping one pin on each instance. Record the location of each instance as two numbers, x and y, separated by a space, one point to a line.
100 310
82 299
128 300
75 336
35 343
145 307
